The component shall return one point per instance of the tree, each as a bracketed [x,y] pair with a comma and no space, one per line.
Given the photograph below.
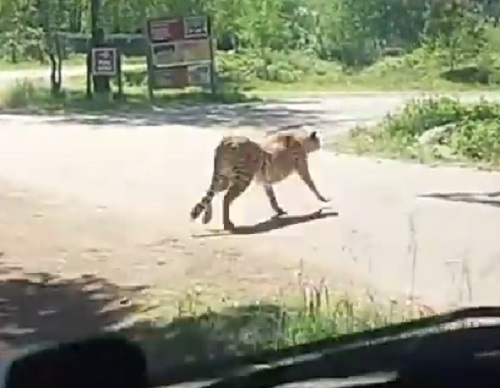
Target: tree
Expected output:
[455,30]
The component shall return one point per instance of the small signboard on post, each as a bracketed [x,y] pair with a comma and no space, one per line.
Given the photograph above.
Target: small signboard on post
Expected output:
[104,61]
[180,53]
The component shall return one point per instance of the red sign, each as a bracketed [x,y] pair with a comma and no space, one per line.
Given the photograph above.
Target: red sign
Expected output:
[165,30]
[181,76]
[172,77]
[180,52]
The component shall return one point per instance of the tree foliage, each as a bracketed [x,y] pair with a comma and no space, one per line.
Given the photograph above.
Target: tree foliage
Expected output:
[352,31]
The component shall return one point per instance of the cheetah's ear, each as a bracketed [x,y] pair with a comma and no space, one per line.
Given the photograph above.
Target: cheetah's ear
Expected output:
[314,135]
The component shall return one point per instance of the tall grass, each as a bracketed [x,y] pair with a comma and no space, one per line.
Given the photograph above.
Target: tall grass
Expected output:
[314,312]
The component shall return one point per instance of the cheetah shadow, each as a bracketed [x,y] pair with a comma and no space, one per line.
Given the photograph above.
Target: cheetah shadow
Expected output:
[271,224]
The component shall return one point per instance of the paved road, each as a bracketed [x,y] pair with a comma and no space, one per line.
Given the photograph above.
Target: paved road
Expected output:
[158,166]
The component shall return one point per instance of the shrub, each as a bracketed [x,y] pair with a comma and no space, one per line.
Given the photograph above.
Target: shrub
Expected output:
[276,66]
[475,135]
[478,140]
[419,116]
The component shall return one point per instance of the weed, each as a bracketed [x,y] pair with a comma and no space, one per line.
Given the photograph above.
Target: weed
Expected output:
[198,332]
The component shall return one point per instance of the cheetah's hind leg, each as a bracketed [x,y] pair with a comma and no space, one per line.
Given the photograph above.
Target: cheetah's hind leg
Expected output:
[218,184]
[207,215]
[222,185]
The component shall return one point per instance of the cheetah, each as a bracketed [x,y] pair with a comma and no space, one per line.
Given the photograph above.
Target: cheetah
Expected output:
[238,161]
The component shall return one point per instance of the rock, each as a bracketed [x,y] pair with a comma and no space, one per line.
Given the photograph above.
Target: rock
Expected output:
[436,134]
[443,152]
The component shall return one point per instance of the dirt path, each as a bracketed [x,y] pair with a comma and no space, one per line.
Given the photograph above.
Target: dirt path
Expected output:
[110,233]
[110,199]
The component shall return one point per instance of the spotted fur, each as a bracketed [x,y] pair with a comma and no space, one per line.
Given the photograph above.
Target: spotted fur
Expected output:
[238,160]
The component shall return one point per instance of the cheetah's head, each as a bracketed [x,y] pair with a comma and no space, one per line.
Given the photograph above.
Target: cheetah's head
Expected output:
[311,142]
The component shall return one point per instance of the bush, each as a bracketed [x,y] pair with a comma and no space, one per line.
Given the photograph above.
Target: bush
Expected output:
[248,67]
[275,66]
[474,135]
[478,140]
[420,116]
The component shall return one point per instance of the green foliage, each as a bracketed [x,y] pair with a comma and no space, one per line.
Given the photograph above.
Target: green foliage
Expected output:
[420,116]
[455,31]
[238,328]
[477,137]
[474,133]
[274,66]
[354,32]
[433,44]
[299,70]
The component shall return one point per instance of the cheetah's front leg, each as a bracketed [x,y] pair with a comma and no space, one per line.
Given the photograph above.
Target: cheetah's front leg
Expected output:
[304,174]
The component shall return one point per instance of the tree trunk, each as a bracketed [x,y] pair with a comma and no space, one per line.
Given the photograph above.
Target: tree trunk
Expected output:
[56,60]
[13,53]
[101,83]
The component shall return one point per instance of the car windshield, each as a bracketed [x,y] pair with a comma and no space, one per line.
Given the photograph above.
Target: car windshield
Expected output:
[224,178]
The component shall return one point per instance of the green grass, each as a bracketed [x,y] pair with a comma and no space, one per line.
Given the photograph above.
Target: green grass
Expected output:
[405,80]
[300,72]
[196,327]
[27,96]
[255,72]
[198,332]
[247,78]
[473,138]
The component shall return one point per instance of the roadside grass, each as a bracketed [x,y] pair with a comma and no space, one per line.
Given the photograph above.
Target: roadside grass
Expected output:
[259,74]
[432,131]
[199,331]
[404,79]
[297,71]
[232,88]
[29,96]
